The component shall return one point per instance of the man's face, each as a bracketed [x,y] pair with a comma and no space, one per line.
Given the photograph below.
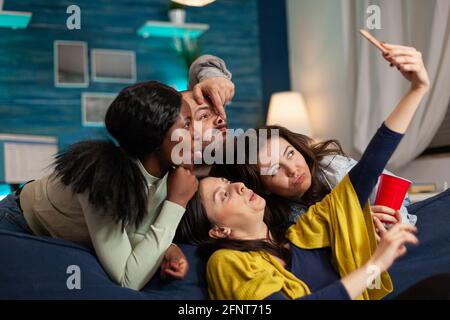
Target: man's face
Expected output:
[207,124]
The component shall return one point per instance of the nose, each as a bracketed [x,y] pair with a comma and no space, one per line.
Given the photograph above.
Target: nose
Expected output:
[240,188]
[219,121]
[290,170]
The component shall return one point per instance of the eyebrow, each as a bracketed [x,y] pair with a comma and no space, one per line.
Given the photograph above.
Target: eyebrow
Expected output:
[201,108]
[285,150]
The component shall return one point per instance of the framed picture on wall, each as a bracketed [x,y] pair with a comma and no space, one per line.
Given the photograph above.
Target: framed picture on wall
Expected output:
[26,157]
[113,65]
[70,64]
[94,106]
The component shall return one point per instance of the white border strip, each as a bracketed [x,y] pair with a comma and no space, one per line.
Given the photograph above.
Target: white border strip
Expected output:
[27,138]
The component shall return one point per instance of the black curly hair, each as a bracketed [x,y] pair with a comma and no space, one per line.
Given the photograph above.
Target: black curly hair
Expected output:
[138,119]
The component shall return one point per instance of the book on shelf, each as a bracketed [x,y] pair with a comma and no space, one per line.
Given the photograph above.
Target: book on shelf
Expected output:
[422,187]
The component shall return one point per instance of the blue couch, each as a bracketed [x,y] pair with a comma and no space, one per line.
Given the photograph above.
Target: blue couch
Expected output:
[33,267]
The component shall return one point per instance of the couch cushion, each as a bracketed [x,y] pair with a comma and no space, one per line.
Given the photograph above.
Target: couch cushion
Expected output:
[35,267]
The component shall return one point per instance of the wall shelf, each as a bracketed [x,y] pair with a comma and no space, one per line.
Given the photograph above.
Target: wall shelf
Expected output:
[171,30]
[14,19]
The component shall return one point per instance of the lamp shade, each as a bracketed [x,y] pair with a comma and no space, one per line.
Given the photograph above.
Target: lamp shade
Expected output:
[288,109]
[194,3]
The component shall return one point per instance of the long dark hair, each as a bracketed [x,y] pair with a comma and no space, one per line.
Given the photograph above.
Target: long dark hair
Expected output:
[138,119]
[249,173]
[194,229]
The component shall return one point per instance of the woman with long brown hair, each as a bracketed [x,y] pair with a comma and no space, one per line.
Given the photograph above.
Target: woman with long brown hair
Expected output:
[283,203]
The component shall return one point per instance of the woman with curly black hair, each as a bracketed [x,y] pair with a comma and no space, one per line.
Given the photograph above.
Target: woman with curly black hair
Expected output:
[125,200]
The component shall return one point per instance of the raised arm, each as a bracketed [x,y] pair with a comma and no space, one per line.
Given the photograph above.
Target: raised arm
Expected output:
[409,62]
[348,225]
[364,175]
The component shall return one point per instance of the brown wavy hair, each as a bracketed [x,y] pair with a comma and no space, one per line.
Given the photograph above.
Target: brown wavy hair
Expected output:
[249,173]
[194,229]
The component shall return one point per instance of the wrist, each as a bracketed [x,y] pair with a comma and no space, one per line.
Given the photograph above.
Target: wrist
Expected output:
[419,89]
[373,265]
[211,74]
[177,201]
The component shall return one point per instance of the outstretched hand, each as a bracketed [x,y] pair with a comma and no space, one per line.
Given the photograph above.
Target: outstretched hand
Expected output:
[392,245]
[410,63]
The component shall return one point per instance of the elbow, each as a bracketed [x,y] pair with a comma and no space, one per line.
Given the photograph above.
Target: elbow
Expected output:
[133,285]
[123,280]
[134,281]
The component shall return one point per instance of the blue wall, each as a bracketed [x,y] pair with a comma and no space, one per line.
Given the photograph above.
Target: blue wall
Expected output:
[274,55]
[30,104]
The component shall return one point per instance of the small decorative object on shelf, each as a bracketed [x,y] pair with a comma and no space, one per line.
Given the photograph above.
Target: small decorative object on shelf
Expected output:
[188,49]
[185,36]
[177,13]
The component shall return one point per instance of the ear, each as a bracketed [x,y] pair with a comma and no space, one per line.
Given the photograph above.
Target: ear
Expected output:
[219,232]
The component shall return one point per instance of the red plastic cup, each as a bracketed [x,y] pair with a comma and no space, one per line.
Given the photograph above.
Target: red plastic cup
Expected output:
[391,191]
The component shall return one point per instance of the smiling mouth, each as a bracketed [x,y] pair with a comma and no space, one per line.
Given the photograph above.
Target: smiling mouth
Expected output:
[253,196]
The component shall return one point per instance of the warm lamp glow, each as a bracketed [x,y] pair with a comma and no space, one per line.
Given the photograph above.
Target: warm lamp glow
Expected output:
[288,109]
[194,3]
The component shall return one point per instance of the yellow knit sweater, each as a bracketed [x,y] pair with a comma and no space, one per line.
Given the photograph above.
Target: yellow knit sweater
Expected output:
[337,222]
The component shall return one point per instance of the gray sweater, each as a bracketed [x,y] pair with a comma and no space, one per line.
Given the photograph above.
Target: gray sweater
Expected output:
[205,67]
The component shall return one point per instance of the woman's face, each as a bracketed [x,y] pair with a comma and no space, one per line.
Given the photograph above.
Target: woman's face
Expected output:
[184,141]
[232,206]
[288,174]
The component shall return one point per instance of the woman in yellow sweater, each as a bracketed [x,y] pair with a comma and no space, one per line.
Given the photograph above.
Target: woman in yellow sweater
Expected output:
[330,253]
